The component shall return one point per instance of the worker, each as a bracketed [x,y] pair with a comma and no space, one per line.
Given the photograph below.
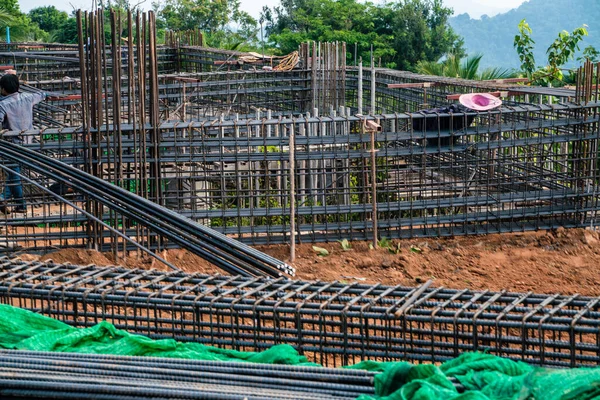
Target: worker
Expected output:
[16,114]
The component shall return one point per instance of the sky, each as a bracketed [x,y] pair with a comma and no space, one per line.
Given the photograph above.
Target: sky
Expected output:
[475,8]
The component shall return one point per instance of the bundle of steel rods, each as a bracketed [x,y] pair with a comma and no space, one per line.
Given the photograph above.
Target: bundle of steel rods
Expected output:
[39,375]
[224,252]
[331,323]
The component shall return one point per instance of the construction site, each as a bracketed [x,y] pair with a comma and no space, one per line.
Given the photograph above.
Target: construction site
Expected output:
[244,201]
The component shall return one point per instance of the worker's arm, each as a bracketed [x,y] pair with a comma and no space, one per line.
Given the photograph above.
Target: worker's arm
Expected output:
[38,97]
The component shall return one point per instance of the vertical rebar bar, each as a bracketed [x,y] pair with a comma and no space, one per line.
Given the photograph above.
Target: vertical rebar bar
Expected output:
[292,195]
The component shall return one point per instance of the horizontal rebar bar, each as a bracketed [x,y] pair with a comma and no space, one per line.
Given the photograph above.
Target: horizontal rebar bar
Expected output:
[91,373]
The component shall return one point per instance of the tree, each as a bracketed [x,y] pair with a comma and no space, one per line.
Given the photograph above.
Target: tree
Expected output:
[48,18]
[5,18]
[21,27]
[467,68]
[561,50]
[207,15]
[524,45]
[222,21]
[420,31]
[589,53]
[401,33]
[494,36]
[67,33]
[297,21]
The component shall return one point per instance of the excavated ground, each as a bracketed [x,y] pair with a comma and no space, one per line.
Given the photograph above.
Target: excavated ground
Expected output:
[558,261]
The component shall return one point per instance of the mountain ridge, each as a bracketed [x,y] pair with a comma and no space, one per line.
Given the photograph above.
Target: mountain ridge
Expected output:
[494,36]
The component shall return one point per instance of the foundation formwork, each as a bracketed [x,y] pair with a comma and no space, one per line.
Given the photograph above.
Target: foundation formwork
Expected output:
[248,151]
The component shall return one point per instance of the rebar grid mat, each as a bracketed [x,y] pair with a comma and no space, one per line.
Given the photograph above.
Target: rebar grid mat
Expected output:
[331,323]
[28,374]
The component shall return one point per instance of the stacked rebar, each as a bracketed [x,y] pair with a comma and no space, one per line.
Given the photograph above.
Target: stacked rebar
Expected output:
[228,254]
[331,323]
[40,375]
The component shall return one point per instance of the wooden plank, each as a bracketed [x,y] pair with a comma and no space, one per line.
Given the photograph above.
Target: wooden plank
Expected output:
[231,62]
[508,80]
[411,85]
[184,79]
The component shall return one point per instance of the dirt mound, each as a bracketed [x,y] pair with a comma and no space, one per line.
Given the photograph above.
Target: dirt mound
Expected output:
[558,261]
[180,258]
[78,257]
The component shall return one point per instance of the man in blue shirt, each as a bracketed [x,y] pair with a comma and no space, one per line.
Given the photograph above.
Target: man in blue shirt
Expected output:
[16,114]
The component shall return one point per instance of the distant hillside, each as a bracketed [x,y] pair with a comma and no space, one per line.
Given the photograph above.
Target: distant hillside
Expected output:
[494,36]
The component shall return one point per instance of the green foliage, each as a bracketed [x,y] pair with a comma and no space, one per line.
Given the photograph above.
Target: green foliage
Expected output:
[524,45]
[415,249]
[48,18]
[57,24]
[346,245]
[561,50]
[564,46]
[222,21]
[467,68]
[67,33]
[5,18]
[385,243]
[401,33]
[496,73]
[589,53]
[320,251]
[267,149]
[21,27]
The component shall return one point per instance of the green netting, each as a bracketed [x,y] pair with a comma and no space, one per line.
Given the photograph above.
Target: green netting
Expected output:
[485,377]
[24,330]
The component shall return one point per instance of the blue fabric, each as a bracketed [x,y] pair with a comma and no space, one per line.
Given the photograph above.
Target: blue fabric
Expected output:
[13,188]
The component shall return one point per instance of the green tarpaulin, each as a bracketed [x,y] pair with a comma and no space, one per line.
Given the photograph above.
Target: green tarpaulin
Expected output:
[485,377]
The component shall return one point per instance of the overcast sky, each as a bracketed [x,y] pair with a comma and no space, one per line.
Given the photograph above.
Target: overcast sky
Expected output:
[475,8]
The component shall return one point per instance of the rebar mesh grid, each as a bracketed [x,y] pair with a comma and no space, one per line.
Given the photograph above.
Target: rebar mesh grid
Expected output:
[331,323]
[522,168]
[267,156]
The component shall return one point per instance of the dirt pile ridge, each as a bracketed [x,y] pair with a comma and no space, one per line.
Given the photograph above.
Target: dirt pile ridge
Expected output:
[558,261]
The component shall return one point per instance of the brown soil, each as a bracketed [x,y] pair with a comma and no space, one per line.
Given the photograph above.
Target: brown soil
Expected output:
[182,259]
[560,261]
[77,257]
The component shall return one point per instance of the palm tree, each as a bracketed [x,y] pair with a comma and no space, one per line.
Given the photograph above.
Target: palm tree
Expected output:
[9,20]
[5,17]
[467,68]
